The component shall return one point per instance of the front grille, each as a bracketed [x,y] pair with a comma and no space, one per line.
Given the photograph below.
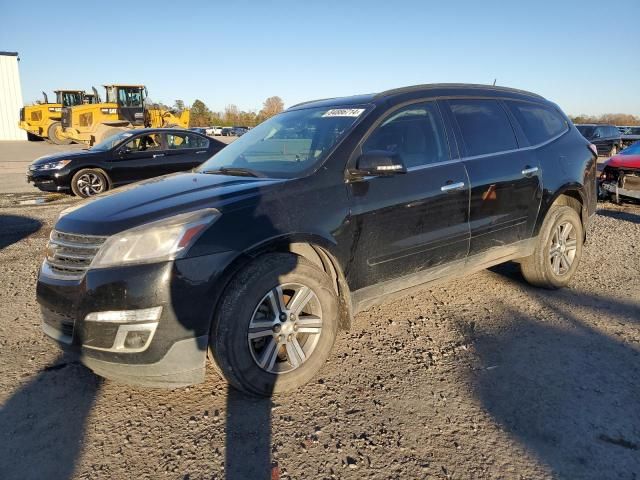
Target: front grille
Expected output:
[66,117]
[69,255]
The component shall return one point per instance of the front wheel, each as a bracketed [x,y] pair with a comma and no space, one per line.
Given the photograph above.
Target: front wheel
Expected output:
[54,133]
[557,254]
[88,182]
[275,325]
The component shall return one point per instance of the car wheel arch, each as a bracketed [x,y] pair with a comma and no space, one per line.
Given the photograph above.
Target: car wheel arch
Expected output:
[316,251]
[571,195]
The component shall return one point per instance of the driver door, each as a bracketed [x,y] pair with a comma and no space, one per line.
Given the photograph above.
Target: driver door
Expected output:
[143,156]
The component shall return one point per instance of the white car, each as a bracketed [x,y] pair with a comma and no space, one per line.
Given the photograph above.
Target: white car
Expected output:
[214,131]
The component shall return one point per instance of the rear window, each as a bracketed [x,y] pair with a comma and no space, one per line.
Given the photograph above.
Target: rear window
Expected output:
[539,123]
[484,125]
[184,140]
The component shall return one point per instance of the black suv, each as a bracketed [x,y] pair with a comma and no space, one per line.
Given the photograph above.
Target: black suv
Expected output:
[261,255]
[606,138]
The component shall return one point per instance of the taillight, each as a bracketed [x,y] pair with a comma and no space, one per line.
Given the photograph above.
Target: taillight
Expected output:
[594,149]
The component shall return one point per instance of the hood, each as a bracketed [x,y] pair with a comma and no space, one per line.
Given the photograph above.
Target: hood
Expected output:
[159,198]
[72,154]
[623,161]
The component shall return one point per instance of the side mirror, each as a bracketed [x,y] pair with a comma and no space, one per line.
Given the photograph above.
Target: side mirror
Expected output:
[379,163]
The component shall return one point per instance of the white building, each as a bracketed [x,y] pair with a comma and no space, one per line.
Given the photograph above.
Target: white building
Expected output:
[10,97]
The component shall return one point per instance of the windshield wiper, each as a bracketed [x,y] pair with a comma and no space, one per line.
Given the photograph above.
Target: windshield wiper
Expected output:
[235,171]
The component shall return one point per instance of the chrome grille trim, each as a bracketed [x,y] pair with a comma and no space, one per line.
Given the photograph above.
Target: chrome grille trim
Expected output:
[69,255]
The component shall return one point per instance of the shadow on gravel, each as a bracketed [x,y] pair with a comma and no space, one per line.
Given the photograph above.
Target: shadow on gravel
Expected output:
[15,227]
[568,392]
[620,215]
[42,424]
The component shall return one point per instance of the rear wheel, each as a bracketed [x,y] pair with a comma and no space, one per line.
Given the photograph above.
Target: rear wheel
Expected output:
[88,182]
[275,326]
[558,251]
[54,133]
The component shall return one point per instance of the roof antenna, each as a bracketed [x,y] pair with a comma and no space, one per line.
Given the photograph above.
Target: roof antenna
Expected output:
[494,82]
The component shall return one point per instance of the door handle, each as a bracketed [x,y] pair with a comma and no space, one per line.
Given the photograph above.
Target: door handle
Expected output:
[201,151]
[156,155]
[452,186]
[528,171]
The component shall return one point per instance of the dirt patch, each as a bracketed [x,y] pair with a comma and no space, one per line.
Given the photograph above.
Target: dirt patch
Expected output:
[484,377]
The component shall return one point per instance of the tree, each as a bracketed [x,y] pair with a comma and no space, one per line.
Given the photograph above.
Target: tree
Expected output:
[272,106]
[611,118]
[200,115]
[178,105]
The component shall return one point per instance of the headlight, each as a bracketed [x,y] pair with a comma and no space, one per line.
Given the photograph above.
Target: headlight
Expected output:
[165,239]
[53,165]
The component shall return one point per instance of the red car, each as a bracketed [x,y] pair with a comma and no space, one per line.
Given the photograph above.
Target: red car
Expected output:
[621,175]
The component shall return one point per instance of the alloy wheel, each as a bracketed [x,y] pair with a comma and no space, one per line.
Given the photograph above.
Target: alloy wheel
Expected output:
[562,250]
[285,328]
[90,184]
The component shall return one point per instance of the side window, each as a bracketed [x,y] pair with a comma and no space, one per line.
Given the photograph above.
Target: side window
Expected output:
[599,133]
[484,125]
[415,133]
[176,141]
[539,122]
[143,143]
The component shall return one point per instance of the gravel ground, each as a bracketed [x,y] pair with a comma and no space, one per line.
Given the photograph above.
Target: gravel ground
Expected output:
[484,377]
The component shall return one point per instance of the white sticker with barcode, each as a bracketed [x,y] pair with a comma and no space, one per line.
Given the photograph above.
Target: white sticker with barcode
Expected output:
[344,112]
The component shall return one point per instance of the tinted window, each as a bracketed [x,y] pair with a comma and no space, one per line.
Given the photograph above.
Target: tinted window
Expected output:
[484,125]
[144,142]
[415,133]
[184,140]
[540,123]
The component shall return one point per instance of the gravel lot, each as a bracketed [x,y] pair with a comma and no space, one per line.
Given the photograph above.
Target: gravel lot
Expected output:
[483,377]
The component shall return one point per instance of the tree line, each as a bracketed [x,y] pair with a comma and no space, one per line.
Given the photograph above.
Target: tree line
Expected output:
[611,118]
[203,116]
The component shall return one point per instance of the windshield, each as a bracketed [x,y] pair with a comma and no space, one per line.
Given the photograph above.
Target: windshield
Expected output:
[633,149]
[287,145]
[110,142]
[69,99]
[586,130]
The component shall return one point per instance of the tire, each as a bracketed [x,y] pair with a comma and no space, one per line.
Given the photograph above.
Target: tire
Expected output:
[540,269]
[32,137]
[249,302]
[53,133]
[110,132]
[88,182]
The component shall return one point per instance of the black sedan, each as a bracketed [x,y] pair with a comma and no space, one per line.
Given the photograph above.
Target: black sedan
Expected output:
[129,156]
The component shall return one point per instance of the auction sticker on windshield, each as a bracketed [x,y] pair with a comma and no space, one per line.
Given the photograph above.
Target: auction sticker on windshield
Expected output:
[344,112]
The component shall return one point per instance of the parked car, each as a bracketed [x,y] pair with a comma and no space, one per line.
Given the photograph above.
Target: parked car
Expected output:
[238,131]
[214,131]
[606,138]
[200,130]
[620,176]
[269,248]
[129,156]
[629,135]
[227,132]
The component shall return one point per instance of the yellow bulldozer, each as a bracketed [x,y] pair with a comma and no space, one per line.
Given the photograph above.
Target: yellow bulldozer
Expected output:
[124,108]
[42,119]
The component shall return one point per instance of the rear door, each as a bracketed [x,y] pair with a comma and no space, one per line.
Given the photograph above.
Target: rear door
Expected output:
[410,222]
[185,151]
[506,186]
[143,156]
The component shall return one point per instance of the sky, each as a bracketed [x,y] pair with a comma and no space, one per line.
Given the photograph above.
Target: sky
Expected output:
[582,55]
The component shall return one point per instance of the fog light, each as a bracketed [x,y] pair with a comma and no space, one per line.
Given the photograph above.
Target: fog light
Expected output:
[136,339]
[125,316]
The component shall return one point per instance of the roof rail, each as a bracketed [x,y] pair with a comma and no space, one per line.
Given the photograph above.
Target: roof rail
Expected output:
[430,86]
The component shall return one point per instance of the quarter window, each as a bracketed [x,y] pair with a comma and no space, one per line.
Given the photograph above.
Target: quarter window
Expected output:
[415,133]
[484,125]
[184,140]
[539,122]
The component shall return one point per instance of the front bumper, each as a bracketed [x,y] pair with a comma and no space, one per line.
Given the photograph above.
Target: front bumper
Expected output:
[49,181]
[176,353]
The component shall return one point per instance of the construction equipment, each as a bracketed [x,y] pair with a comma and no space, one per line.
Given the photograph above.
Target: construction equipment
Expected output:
[124,108]
[42,119]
